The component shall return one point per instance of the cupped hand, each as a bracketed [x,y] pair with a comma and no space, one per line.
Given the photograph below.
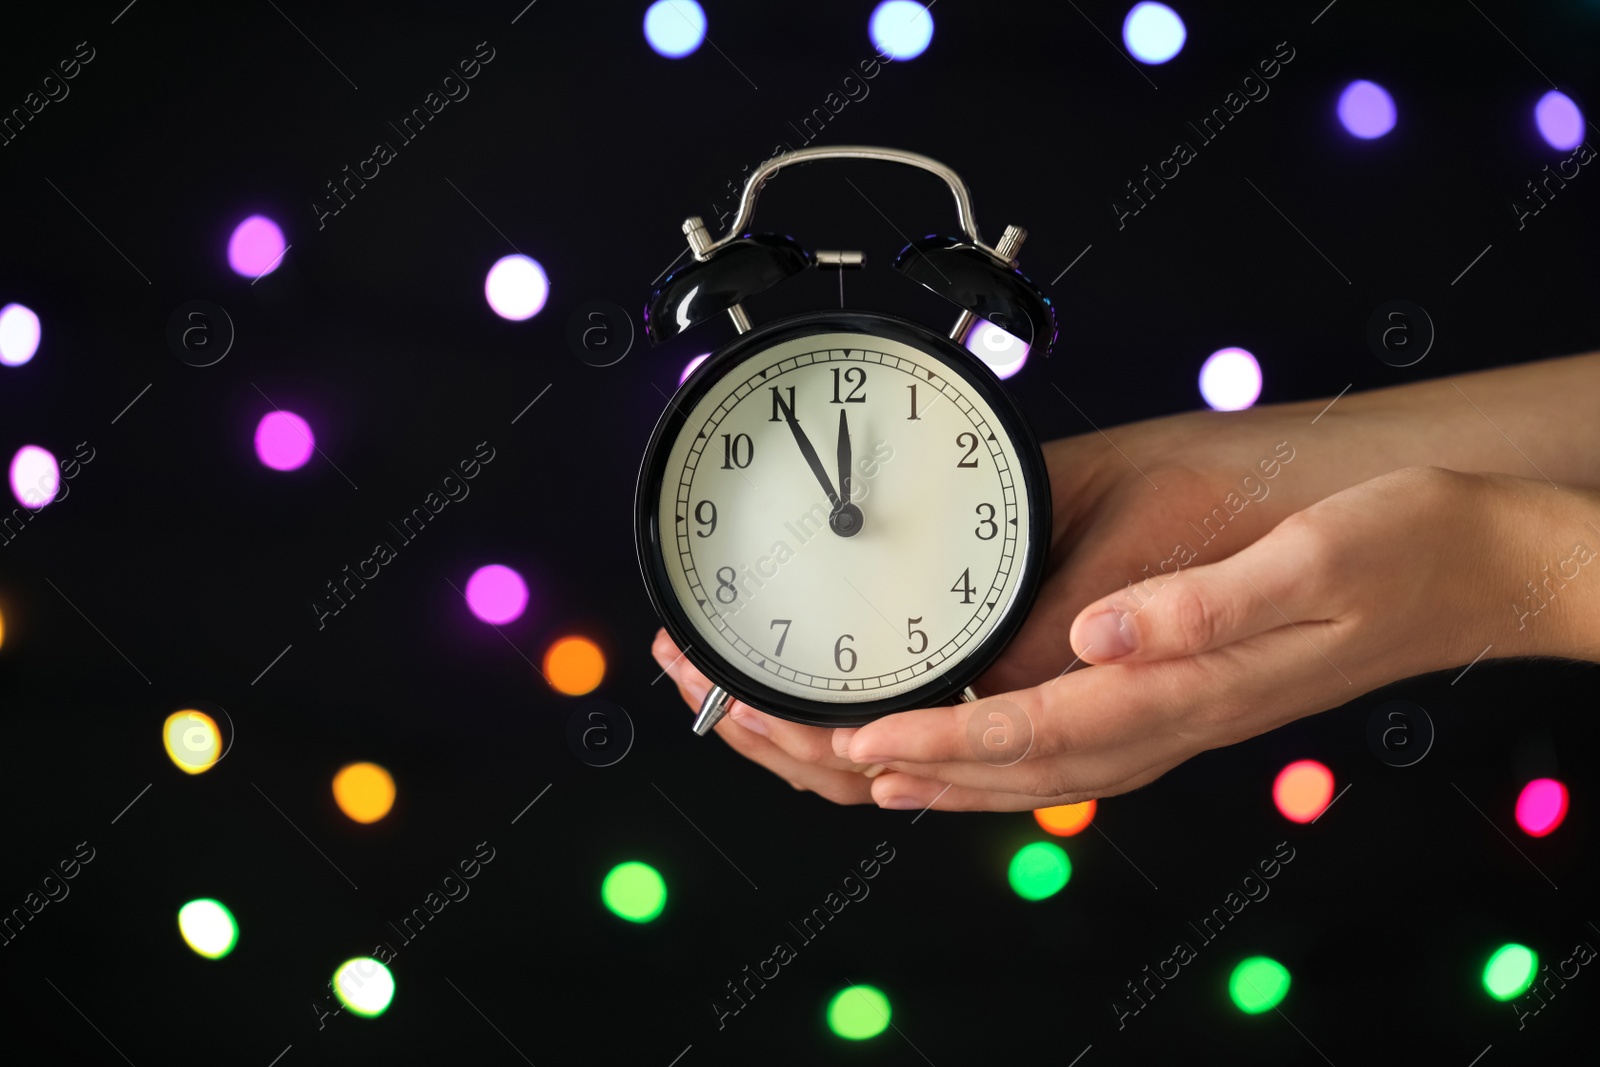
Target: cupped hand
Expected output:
[1408,573]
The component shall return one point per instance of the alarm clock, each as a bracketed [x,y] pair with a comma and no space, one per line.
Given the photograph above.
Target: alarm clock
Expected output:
[843,514]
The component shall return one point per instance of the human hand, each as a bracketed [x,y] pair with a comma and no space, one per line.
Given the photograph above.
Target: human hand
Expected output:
[1407,573]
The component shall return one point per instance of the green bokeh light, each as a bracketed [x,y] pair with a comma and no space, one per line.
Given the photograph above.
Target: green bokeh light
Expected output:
[1510,971]
[1039,870]
[635,891]
[208,927]
[858,1012]
[1258,984]
[364,986]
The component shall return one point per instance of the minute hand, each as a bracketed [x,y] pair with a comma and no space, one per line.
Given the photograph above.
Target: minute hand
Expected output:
[810,454]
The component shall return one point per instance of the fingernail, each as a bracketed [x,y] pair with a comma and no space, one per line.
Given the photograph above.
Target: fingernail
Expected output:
[841,742]
[750,721]
[874,770]
[1108,635]
[900,803]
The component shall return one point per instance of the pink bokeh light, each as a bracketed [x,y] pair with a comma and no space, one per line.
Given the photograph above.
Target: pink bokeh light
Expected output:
[497,594]
[256,247]
[284,441]
[1541,807]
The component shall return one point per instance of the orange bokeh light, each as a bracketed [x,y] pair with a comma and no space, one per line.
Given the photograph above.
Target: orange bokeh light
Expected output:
[364,791]
[1302,790]
[574,666]
[1064,820]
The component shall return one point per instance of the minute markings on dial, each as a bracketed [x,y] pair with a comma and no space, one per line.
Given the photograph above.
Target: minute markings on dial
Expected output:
[719,618]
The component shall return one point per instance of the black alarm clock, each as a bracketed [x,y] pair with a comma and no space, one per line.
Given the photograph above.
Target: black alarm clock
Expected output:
[843,514]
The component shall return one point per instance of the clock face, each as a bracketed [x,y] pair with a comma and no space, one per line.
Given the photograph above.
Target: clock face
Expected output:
[842,518]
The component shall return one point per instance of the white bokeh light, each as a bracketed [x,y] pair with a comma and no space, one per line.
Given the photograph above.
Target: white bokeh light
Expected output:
[1153,33]
[364,985]
[516,287]
[35,477]
[1230,379]
[1005,353]
[674,28]
[19,335]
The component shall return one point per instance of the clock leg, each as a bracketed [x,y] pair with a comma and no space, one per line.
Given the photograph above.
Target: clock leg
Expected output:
[970,695]
[712,709]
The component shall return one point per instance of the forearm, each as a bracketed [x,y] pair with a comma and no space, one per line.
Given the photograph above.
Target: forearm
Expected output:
[1536,420]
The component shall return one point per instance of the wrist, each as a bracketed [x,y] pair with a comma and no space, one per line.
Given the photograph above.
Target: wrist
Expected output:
[1550,606]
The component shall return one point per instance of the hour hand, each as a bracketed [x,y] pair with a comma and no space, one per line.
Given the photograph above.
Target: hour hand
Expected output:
[812,459]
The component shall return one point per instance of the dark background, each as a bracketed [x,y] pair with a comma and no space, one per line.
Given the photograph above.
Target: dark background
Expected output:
[189,566]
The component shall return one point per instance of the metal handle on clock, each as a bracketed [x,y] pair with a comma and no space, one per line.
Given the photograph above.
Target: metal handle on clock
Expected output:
[752,187]
[712,709]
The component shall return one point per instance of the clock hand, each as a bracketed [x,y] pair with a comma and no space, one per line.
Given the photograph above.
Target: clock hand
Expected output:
[807,451]
[846,519]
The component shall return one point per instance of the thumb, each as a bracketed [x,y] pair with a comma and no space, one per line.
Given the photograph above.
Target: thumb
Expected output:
[1261,588]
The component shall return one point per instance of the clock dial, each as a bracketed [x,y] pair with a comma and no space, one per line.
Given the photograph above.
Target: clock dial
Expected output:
[843,519]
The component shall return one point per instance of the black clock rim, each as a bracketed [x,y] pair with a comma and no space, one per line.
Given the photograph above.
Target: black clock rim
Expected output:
[946,686]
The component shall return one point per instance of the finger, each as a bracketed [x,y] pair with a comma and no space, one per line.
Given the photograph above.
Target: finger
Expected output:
[1269,584]
[841,787]
[909,792]
[1059,775]
[1082,712]
[809,744]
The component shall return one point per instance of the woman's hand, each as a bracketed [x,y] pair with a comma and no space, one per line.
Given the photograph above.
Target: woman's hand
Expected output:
[1411,572]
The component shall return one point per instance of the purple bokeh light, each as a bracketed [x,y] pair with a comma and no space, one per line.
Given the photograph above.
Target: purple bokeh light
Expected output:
[256,247]
[284,441]
[1559,120]
[35,477]
[497,594]
[1005,353]
[1230,379]
[1366,109]
[692,364]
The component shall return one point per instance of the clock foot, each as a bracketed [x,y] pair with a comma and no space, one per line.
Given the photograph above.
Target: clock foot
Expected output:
[712,709]
[970,695]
